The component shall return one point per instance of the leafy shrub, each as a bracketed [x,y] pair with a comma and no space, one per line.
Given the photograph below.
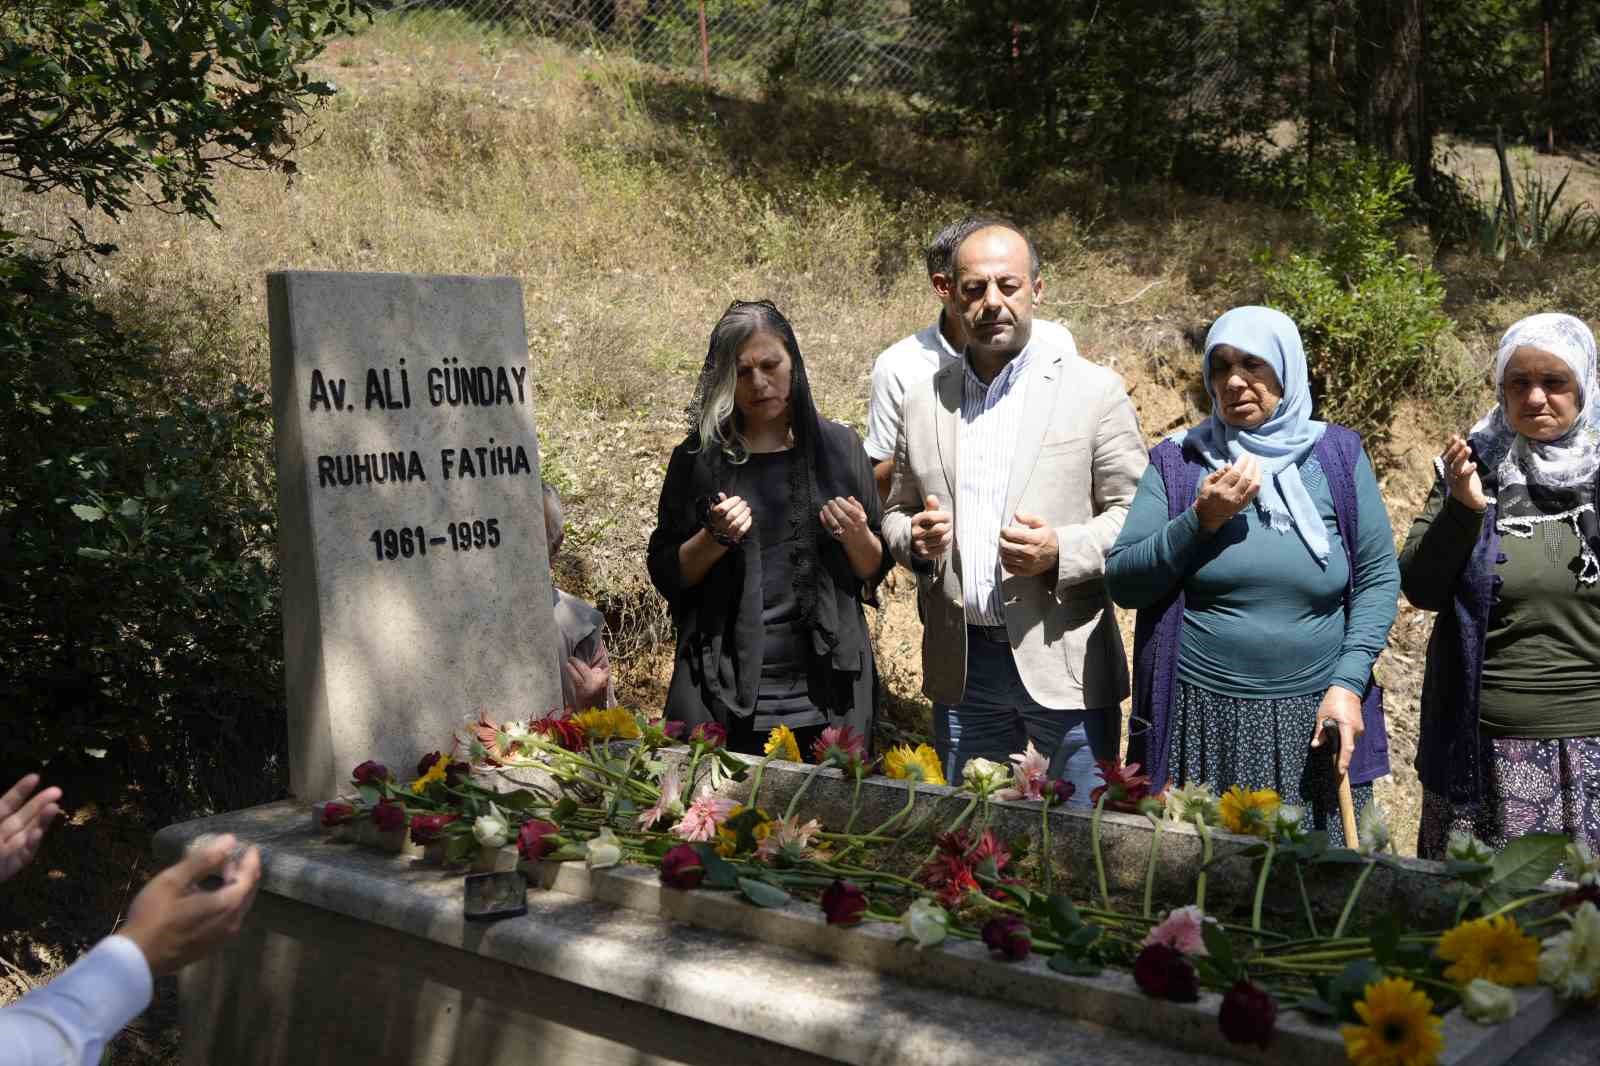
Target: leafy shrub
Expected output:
[141,602]
[1370,316]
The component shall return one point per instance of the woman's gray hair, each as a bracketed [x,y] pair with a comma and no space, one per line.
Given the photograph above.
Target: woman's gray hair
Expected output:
[715,420]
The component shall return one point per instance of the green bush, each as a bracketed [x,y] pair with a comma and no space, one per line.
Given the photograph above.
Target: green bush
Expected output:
[1370,315]
[140,632]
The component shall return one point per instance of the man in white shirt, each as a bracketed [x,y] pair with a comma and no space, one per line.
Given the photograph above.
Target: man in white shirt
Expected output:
[912,361]
[174,920]
[1013,471]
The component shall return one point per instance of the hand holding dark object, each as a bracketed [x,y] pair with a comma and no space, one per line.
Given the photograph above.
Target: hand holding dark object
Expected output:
[1029,546]
[1461,474]
[23,822]
[1226,492]
[175,920]
[1340,710]
[728,519]
[931,530]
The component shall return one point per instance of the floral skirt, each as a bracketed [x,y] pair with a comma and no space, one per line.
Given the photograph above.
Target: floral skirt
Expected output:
[1228,740]
[1534,786]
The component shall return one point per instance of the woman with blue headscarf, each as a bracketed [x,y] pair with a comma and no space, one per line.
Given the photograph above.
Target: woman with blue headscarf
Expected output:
[1505,551]
[1259,555]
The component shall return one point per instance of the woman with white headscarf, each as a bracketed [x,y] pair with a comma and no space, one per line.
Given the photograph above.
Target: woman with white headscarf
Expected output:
[1505,551]
[1260,558]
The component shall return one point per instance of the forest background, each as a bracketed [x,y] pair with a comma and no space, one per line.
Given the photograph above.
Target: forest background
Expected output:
[1404,178]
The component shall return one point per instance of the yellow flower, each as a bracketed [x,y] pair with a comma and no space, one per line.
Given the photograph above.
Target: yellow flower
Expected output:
[1495,949]
[1249,812]
[920,764]
[436,772]
[756,823]
[781,744]
[608,723]
[1399,1027]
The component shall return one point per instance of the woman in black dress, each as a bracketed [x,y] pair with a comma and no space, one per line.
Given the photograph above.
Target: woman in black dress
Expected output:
[766,546]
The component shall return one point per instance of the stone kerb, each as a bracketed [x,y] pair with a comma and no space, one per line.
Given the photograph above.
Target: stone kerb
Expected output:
[416,583]
[1415,889]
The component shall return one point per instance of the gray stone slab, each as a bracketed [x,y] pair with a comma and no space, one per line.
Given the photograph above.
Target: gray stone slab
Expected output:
[416,584]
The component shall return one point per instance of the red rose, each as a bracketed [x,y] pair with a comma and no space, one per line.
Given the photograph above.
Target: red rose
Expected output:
[533,839]
[681,868]
[710,734]
[369,772]
[1585,894]
[1161,972]
[843,903]
[389,815]
[1248,1014]
[1009,935]
[674,730]
[336,814]
[428,828]
[427,762]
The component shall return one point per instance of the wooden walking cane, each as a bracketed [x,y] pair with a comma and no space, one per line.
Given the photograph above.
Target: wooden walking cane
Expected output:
[1347,802]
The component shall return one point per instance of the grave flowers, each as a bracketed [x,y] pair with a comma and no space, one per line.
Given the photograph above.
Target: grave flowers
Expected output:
[616,798]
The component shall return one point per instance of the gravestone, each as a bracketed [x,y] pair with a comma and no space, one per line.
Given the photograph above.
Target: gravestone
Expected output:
[416,581]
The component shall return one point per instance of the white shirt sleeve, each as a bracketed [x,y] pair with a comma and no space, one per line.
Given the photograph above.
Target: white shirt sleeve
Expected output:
[69,1021]
[883,409]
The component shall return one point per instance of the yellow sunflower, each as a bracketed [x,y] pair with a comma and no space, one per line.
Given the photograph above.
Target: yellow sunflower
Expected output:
[920,764]
[1398,1027]
[781,744]
[436,772]
[1495,949]
[755,822]
[608,723]
[1243,811]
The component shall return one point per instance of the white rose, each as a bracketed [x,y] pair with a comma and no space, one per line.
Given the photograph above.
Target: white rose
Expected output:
[1464,847]
[516,730]
[1487,1002]
[492,829]
[1582,864]
[983,775]
[1374,832]
[925,922]
[603,850]
[1570,961]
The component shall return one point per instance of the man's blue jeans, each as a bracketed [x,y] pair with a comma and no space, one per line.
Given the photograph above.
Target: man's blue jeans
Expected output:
[996,717]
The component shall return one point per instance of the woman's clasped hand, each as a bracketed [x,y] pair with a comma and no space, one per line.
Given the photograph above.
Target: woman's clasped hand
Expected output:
[1226,492]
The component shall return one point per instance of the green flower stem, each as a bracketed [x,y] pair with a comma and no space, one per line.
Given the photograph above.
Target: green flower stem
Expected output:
[1094,842]
[855,800]
[694,768]
[1205,860]
[961,819]
[1150,868]
[1046,866]
[794,801]
[1305,899]
[755,784]
[1350,903]
[1261,884]
[1518,904]
[889,823]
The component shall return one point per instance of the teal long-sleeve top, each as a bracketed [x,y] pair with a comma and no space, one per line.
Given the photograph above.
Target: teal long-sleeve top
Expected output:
[1262,619]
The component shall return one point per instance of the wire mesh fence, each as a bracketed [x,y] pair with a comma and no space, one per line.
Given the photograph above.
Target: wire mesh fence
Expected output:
[869,44]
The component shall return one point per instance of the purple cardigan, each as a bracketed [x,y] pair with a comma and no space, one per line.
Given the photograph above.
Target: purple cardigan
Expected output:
[1158,628]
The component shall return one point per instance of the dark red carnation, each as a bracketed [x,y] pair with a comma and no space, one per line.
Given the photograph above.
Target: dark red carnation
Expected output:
[710,734]
[843,903]
[426,762]
[1124,786]
[1060,790]
[563,730]
[389,815]
[1162,972]
[1009,935]
[456,772]
[336,814]
[535,839]
[1585,894]
[369,772]
[681,868]
[1248,1014]
[428,828]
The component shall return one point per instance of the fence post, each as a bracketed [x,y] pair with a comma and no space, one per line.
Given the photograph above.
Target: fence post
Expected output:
[705,46]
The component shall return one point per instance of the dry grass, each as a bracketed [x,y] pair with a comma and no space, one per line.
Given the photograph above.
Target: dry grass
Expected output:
[633,207]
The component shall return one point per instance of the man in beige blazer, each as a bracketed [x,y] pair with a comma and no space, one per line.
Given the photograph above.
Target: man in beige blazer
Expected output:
[1014,469]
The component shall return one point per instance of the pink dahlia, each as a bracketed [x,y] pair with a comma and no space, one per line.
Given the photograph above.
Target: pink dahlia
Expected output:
[1183,930]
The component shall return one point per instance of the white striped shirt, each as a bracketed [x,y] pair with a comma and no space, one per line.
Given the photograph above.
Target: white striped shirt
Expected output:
[985,446]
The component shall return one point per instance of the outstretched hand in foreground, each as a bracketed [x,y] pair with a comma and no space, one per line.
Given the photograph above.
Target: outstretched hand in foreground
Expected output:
[174,920]
[23,822]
